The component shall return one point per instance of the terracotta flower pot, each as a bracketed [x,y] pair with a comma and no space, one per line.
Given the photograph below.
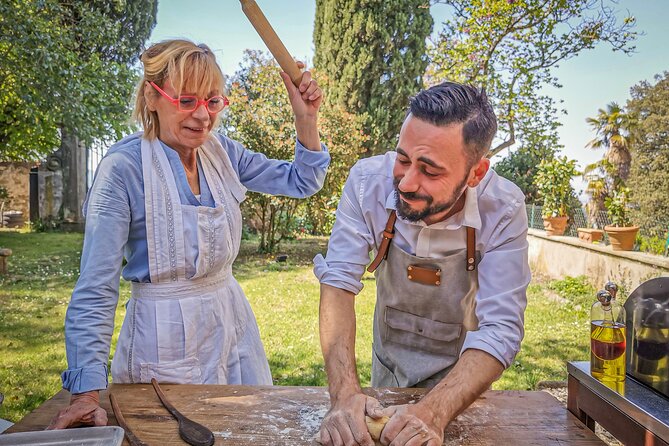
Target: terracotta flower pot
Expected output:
[622,238]
[555,225]
[590,235]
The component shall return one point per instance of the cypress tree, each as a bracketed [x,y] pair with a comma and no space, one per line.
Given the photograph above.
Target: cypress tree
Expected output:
[374,54]
[649,178]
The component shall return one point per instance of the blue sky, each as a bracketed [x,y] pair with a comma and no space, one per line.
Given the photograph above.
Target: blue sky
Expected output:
[590,81]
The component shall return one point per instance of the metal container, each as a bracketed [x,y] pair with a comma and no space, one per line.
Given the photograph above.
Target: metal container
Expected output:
[85,436]
[648,334]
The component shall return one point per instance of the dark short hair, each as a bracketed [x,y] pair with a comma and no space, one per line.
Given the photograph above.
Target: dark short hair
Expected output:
[453,103]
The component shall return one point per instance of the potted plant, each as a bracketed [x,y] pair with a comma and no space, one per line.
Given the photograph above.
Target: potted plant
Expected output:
[621,232]
[553,181]
[590,235]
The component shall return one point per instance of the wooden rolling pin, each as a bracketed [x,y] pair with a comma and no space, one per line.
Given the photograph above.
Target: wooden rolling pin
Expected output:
[268,35]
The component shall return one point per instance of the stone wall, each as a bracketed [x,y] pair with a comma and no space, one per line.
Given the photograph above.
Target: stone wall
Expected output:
[557,257]
[16,178]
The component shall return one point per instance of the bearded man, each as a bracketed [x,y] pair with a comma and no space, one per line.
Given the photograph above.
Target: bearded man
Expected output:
[451,266]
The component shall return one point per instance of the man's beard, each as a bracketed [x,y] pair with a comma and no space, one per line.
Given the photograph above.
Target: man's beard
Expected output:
[431,208]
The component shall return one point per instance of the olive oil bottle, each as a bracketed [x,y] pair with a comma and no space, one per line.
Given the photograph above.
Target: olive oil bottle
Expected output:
[607,338]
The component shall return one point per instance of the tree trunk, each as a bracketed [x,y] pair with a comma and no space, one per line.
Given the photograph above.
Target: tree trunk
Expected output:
[73,158]
[263,227]
[621,158]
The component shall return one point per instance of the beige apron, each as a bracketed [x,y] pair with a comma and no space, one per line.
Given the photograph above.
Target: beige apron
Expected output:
[419,328]
[190,326]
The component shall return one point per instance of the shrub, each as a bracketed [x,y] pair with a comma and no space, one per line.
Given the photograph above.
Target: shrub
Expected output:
[553,181]
[616,207]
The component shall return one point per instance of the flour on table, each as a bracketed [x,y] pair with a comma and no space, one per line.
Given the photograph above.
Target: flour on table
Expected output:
[224,434]
[310,420]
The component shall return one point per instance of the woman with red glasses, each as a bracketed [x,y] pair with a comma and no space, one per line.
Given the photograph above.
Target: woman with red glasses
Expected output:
[167,200]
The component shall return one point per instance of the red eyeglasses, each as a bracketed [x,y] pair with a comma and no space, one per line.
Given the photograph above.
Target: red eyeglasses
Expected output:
[214,104]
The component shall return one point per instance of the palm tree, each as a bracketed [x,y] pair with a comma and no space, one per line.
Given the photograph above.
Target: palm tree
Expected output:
[598,188]
[612,128]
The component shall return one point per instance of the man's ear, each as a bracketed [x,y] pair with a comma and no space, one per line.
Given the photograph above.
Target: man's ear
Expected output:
[150,97]
[478,171]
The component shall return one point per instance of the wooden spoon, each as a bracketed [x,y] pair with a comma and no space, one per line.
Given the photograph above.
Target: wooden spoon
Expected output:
[191,432]
[132,438]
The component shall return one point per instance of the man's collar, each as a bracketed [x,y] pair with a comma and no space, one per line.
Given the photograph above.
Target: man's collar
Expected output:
[468,216]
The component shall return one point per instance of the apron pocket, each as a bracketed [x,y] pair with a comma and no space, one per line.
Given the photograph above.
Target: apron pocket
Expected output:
[184,371]
[381,375]
[421,333]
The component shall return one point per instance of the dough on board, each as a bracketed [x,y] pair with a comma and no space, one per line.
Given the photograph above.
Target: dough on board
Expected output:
[375,427]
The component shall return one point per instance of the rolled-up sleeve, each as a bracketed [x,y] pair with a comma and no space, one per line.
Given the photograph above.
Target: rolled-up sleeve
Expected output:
[300,178]
[350,242]
[89,321]
[504,275]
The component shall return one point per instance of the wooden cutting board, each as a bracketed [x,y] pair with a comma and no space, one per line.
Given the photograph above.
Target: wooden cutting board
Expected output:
[291,416]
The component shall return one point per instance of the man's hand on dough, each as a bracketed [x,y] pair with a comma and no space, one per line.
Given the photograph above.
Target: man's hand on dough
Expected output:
[411,425]
[344,424]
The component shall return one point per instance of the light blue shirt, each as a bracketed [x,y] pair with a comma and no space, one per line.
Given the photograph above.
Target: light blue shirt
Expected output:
[495,209]
[116,229]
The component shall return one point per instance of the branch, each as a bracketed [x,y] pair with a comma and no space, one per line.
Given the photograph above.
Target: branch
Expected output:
[511,140]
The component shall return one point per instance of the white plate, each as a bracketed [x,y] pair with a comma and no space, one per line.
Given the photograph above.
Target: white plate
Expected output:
[84,436]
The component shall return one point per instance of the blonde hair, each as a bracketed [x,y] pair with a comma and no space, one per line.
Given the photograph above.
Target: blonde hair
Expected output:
[189,67]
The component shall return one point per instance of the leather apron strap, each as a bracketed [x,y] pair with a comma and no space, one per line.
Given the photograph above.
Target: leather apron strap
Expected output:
[471,249]
[389,233]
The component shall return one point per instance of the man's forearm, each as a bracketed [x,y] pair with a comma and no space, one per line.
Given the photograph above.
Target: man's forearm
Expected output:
[337,331]
[473,374]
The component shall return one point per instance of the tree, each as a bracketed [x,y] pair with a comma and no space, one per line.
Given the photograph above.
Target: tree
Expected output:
[553,181]
[612,128]
[4,198]
[342,133]
[609,174]
[67,67]
[510,48]
[649,176]
[374,52]
[261,118]
[67,74]
[598,187]
[521,166]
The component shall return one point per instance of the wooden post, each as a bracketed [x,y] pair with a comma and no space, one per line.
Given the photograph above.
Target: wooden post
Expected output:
[4,253]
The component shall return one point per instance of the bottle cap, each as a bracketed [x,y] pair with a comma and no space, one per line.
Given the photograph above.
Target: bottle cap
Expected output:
[604,297]
[612,288]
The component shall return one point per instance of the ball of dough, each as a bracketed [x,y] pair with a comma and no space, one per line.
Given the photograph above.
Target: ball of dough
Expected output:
[375,426]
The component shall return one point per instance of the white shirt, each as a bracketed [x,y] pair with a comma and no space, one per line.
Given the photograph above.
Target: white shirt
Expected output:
[495,209]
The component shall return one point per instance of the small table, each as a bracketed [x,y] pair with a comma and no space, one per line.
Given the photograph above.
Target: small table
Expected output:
[291,416]
[634,414]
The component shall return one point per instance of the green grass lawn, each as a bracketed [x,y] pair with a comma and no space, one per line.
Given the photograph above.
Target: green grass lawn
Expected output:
[284,296]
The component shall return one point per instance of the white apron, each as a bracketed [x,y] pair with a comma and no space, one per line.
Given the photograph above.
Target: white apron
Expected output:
[198,329]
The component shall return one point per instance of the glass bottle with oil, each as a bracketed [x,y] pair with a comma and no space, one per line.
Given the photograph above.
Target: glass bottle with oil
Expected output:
[650,354]
[607,339]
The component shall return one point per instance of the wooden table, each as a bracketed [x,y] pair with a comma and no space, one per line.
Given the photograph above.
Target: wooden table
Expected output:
[633,413]
[291,416]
